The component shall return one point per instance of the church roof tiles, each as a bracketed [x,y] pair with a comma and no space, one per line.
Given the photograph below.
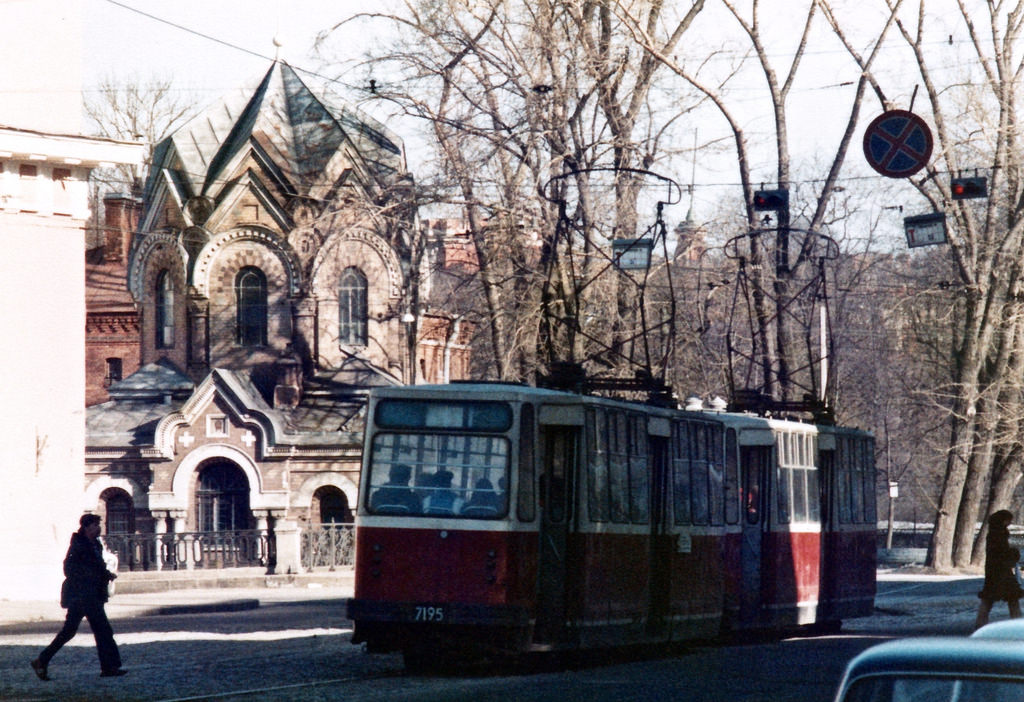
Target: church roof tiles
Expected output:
[301,135]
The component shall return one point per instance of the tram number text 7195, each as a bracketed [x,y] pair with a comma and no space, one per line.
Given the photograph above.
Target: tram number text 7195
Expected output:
[425,613]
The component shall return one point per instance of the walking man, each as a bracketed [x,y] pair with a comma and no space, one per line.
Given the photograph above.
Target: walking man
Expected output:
[1000,559]
[83,594]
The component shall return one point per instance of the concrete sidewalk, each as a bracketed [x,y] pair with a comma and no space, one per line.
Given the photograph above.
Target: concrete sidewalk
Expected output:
[183,601]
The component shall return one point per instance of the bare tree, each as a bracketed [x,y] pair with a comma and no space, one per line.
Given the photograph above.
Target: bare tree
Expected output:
[131,109]
[137,109]
[523,101]
[774,292]
[976,127]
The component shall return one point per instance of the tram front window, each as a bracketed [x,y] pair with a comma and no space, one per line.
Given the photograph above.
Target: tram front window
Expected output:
[439,475]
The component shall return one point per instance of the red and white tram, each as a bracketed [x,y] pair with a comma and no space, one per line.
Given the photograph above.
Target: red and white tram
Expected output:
[506,519]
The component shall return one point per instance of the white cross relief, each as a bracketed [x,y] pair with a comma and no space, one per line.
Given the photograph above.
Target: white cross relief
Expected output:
[186,439]
[248,439]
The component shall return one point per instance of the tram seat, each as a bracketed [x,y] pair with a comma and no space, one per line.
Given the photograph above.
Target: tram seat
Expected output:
[391,509]
[479,511]
[435,511]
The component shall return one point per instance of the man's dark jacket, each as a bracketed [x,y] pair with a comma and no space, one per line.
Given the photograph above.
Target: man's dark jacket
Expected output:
[86,575]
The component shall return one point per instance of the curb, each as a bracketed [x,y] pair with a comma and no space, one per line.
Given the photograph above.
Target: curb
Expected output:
[205,608]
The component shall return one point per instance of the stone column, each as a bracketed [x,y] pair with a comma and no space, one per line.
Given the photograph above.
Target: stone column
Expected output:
[199,341]
[160,531]
[182,542]
[263,547]
[288,537]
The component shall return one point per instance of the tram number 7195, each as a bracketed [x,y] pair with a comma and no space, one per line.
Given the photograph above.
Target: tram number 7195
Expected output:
[428,613]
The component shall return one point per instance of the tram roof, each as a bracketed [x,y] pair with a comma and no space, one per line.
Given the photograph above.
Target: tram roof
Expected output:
[502,391]
[472,389]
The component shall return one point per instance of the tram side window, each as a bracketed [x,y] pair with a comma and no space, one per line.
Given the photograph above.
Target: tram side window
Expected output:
[813,484]
[732,478]
[843,478]
[700,478]
[856,483]
[801,501]
[526,505]
[597,463]
[799,498]
[638,481]
[785,491]
[681,473]
[716,471]
[698,473]
[755,459]
[558,459]
[866,456]
[618,464]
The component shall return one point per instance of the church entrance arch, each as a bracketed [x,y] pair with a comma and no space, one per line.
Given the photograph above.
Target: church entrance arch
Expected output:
[118,511]
[221,497]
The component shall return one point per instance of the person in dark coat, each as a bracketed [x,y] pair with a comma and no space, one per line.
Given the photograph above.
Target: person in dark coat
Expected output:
[1000,579]
[395,496]
[83,594]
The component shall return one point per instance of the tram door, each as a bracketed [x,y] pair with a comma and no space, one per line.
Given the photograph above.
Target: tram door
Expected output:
[558,456]
[661,542]
[829,580]
[755,462]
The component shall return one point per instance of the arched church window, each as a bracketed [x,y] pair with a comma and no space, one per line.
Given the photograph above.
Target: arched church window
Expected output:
[352,308]
[164,310]
[251,300]
[222,498]
[120,512]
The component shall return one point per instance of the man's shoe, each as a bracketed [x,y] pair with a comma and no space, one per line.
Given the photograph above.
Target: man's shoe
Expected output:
[40,670]
[113,673]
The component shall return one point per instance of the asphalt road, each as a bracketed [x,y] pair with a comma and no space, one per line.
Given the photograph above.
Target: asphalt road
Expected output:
[300,650]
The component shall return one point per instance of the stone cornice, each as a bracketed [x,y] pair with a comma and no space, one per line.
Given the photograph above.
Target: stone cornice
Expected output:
[89,152]
[112,322]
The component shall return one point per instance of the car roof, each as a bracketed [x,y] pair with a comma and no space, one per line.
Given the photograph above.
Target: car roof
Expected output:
[946,656]
[1006,629]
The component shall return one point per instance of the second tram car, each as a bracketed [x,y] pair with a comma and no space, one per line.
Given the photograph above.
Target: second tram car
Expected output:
[506,519]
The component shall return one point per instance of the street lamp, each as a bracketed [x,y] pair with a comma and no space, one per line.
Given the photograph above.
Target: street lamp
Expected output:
[409,321]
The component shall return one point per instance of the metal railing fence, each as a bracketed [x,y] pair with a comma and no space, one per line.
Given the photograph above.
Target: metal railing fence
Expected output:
[192,550]
[328,546]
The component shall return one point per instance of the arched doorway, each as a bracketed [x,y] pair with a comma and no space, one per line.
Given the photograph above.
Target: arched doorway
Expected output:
[222,497]
[119,512]
[330,506]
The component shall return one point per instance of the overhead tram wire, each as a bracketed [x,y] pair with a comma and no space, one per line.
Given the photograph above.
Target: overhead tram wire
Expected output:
[222,42]
[320,76]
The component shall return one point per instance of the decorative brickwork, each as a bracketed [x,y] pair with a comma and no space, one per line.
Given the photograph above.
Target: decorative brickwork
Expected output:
[112,329]
[256,378]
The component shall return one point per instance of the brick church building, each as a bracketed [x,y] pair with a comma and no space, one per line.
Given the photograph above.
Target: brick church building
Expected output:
[238,314]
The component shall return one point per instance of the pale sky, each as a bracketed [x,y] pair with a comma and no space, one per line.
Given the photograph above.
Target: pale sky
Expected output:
[207,45]
[212,46]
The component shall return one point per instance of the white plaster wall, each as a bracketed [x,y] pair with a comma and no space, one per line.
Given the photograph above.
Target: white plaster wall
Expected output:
[42,400]
[42,359]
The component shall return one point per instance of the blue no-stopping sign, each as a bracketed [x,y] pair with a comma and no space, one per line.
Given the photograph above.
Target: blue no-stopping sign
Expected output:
[897,144]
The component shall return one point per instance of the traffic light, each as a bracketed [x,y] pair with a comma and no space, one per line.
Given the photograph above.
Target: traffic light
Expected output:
[771,199]
[968,188]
